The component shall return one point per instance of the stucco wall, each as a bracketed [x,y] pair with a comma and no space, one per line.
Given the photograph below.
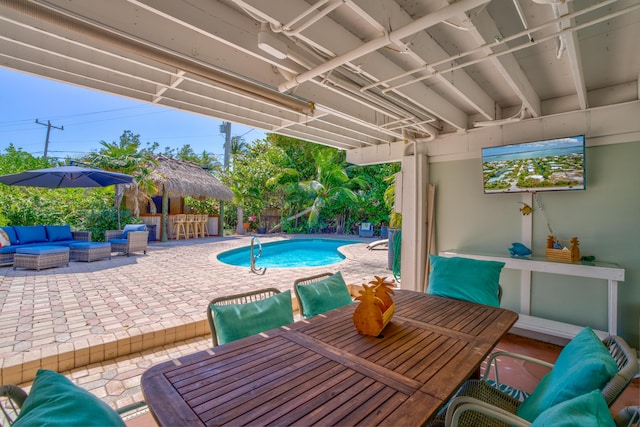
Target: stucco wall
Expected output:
[605,217]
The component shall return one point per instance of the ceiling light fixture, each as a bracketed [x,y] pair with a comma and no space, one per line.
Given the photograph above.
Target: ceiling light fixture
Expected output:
[269,43]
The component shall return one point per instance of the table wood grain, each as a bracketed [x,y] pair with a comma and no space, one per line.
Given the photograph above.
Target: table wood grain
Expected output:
[320,371]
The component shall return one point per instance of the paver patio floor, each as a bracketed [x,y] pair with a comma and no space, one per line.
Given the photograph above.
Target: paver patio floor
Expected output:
[98,322]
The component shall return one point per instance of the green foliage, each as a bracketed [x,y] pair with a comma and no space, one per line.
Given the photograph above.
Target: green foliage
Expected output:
[15,160]
[98,221]
[31,205]
[208,206]
[297,178]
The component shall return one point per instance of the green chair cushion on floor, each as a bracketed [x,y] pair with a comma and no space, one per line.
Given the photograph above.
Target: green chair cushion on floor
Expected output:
[582,366]
[235,321]
[465,279]
[324,295]
[55,401]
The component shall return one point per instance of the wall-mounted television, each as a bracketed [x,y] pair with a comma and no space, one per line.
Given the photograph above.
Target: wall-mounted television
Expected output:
[547,165]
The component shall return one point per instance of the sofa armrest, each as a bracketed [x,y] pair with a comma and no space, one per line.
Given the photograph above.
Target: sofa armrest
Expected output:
[112,234]
[81,235]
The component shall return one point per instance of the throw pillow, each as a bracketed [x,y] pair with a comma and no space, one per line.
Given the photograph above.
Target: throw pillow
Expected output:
[4,238]
[235,321]
[465,279]
[132,227]
[56,401]
[11,232]
[582,366]
[587,410]
[30,233]
[57,233]
[324,295]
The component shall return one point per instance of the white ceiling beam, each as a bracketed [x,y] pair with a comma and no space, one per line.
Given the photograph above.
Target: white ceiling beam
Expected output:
[426,50]
[572,48]
[484,30]
[335,38]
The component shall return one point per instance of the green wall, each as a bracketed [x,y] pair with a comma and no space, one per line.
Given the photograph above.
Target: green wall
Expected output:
[605,217]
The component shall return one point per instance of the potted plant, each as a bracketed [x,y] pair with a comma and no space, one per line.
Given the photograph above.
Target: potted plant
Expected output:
[261,228]
[395,219]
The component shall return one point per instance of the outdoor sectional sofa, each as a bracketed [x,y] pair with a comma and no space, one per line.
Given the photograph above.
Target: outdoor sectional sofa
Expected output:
[38,235]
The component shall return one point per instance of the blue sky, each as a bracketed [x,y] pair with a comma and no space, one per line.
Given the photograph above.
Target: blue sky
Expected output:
[89,117]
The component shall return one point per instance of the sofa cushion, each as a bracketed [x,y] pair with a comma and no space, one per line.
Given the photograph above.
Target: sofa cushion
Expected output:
[118,241]
[11,232]
[4,239]
[55,401]
[324,295]
[587,410]
[41,250]
[57,233]
[465,279]
[132,227]
[583,365]
[235,321]
[8,249]
[30,234]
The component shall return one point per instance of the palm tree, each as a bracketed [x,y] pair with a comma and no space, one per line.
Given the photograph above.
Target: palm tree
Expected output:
[331,185]
[125,157]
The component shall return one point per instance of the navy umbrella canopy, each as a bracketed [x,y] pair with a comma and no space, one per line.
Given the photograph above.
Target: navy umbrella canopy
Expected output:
[66,177]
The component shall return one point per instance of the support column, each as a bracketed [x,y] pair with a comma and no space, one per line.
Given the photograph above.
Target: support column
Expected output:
[415,177]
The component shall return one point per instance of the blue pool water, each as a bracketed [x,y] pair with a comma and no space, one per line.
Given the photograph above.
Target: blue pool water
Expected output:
[289,253]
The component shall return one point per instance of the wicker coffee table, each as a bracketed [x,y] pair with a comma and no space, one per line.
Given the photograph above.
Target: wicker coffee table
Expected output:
[39,257]
[89,251]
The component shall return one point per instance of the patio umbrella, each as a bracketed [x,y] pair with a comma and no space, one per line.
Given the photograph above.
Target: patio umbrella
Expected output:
[66,177]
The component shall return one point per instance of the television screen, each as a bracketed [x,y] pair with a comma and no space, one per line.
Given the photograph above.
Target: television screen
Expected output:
[548,165]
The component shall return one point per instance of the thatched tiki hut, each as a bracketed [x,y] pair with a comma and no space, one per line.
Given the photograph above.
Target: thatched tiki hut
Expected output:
[175,179]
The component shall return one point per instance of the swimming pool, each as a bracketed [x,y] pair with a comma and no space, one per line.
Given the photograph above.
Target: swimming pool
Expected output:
[289,253]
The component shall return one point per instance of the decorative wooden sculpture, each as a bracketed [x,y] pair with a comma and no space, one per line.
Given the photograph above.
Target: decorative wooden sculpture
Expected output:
[376,307]
[555,251]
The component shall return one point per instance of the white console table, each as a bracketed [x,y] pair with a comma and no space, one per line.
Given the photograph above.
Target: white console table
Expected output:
[612,273]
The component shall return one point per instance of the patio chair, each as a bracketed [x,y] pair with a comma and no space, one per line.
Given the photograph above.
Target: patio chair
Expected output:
[237,316]
[321,293]
[55,400]
[587,409]
[133,238]
[365,229]
[628,416]
[11,400]
[486,403]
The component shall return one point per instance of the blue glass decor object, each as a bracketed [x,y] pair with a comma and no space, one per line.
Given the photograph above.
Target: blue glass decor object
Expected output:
[518,249]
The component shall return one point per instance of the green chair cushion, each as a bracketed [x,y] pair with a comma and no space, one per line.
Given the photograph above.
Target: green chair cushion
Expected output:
[587,410]
[465,279]
[324,295]
[235,321]
[56,401]
[582,366]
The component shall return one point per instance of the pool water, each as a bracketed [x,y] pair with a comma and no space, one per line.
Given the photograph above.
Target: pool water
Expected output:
[289,253]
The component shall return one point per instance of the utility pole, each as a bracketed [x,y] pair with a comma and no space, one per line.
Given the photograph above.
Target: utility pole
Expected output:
[225,128]
[46,142]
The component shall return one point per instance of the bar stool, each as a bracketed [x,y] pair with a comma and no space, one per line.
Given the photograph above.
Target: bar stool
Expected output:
[191,226]
[204,218]
[179,226]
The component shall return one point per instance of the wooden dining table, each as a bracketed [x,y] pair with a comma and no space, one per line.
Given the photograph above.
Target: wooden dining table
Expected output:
[320,371]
